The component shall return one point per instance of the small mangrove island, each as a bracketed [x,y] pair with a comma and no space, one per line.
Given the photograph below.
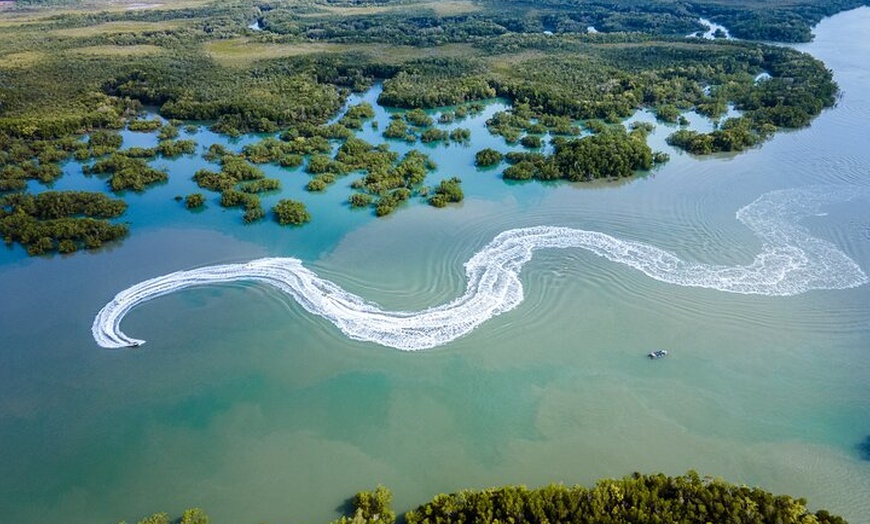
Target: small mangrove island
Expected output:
[657,498]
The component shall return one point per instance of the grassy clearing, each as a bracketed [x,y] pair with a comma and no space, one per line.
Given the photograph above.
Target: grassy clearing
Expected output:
[119,27]
[442,8]
[399,54]
[136,5]
[242,52]
[23,59]
[15,19]
[17,15]
[452,7]
[117,50]
[350,11]
[507,61]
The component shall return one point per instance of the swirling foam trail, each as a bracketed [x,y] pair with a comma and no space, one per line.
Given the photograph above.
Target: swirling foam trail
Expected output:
[791,262]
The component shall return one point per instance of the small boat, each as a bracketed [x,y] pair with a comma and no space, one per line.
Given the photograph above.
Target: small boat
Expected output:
[659,353]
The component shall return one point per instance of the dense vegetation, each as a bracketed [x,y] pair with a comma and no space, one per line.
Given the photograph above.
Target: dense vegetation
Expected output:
[446,192]
[190,516]
[127,172]
[487,157]
[748,19]
[639,498]
[758,20]
[60,221]
[388,180]
[688,499]
[194,201]
[613,153]
[70,79]
[291,212]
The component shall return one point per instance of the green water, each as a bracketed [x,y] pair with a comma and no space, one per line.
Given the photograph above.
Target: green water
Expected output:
[246,405]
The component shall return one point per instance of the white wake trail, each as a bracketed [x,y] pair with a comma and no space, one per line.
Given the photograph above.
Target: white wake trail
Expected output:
[791,262]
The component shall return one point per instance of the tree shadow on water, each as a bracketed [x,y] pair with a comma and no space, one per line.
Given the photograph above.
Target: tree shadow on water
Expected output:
[863,448]
[347,507]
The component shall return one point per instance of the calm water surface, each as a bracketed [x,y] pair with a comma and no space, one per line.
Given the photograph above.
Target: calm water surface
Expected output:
[244,404]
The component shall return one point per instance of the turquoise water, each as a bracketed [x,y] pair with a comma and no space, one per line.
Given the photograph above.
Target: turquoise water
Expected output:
[246,405]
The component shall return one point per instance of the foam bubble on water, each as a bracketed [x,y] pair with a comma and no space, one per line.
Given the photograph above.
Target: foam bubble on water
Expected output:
[791,261]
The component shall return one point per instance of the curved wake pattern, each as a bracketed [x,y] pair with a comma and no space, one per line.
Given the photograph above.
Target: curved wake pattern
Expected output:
[791,262]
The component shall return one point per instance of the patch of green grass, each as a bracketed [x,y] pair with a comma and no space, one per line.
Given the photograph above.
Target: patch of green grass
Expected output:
[242,52]
[452,7]
[118,27]
[117,50]
[441,8]
[23,59]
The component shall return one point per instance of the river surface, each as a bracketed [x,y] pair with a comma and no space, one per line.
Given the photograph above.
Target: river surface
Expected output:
[244,404]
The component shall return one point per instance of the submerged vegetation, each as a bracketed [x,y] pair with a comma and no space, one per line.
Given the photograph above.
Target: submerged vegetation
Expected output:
[688,499]
[71,78]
